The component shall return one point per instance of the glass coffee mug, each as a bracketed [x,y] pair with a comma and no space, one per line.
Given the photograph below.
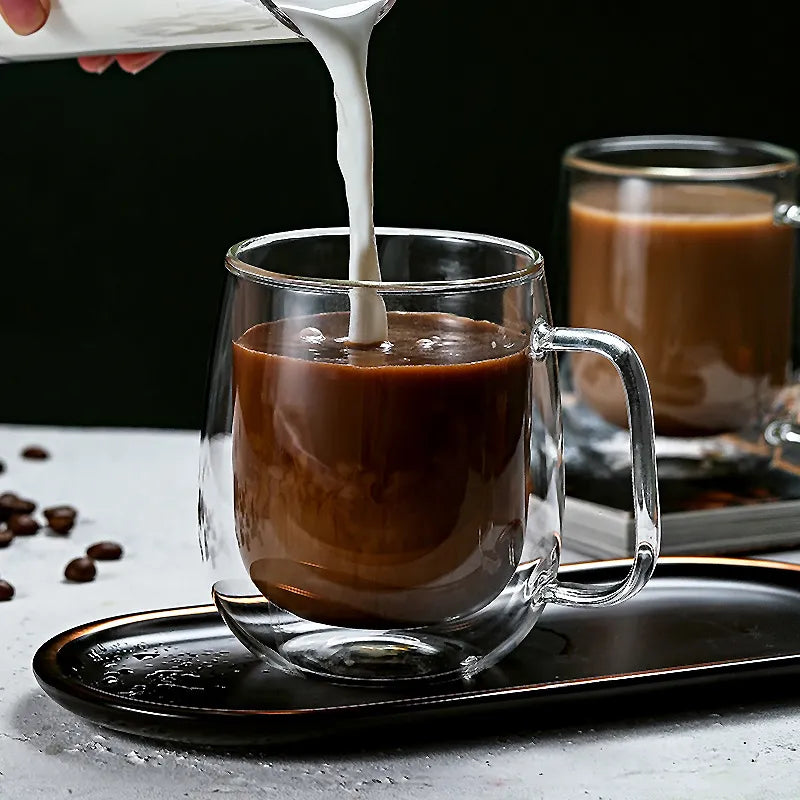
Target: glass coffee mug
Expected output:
[394,512]
[686,246]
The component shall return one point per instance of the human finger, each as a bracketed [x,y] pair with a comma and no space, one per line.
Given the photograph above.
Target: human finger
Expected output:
[133,63]
[25,16]
[97,65]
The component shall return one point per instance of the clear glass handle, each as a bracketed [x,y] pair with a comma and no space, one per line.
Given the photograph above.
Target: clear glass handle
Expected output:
[788,214]
[643,461]
[785,432]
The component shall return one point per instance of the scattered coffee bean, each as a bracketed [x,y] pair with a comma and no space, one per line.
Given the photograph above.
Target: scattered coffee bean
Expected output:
[23,525]
[66,511]
[6,591]
[11,504]
[80,570]
[6,537]
[2,466]
[105,551]
[61,519]
[35,453]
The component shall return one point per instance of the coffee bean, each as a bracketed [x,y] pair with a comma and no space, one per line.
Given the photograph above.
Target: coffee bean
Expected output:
[35,453]
[11,504]
[23,525]
[61,519]
[6,537]
[6,591]
[62,525]
[7,500]
[105,551]
[80,570]
[2,466]
[60,511]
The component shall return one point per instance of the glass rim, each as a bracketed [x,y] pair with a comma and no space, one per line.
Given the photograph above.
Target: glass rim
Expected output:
[779,160]
[240,268]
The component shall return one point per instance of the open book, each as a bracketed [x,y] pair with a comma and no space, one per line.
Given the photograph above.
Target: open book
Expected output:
[733,514]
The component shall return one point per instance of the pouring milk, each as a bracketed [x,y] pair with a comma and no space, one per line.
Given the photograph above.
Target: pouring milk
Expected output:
[340,30]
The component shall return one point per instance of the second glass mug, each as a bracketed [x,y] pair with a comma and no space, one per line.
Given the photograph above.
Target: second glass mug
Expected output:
[687,245]
[394,513]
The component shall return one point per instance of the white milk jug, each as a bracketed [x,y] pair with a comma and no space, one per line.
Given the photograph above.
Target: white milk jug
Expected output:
[95,27]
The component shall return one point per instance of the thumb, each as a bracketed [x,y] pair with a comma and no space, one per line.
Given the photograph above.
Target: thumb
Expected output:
[25,16]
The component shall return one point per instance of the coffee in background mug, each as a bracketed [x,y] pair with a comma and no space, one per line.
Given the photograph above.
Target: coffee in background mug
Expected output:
[683,245]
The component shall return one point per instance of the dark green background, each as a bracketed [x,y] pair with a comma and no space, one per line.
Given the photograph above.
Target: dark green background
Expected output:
[121,195]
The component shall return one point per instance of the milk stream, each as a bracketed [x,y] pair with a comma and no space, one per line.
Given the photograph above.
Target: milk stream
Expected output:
[340,30]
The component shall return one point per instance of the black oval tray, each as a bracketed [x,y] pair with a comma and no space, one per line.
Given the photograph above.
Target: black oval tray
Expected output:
[701,625]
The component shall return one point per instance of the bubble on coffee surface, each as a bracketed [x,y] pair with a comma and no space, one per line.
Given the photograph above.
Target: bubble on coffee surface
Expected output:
[312,336]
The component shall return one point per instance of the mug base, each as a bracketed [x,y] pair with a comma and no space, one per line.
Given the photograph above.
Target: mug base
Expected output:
[378,656]
[455,649]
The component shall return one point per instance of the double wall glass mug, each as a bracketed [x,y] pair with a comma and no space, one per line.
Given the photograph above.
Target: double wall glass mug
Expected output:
[394,512]
[686,247]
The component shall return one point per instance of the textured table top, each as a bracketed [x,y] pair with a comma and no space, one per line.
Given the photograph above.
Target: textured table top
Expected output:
[139,488]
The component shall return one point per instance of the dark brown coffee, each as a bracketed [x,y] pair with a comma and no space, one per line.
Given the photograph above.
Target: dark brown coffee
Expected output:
[381,487]
[698,278]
